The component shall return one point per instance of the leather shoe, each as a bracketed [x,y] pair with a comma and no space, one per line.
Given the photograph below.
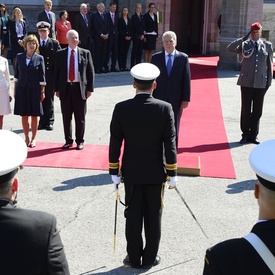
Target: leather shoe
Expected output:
[156,262]
[67,146]
[244,140]
[254,141]
[114,70]
[79,146]
[41,127]
[49,127]
[127,263]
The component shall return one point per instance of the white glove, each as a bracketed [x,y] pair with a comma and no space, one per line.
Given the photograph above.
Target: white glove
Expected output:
[172,182]
[116,181]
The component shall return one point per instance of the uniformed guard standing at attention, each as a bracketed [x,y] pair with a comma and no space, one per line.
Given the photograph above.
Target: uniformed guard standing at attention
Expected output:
[256,57]
[47,48]
[255,253]
[30,243]
[146,126]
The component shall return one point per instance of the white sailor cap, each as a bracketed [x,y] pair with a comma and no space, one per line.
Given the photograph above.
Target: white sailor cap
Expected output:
[13,152]
[145,72]
[43,25]
[262,161]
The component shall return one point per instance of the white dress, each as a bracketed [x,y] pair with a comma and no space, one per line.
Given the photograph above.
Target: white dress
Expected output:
[5,107]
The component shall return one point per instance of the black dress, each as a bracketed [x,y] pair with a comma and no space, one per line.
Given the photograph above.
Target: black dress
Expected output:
[28,90]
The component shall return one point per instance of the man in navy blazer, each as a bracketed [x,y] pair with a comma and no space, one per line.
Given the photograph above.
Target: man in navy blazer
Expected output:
[173,86]
[48,16]
[30,242]
[73,92]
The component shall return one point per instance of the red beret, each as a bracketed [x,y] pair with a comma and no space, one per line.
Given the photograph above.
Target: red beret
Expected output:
[255,26]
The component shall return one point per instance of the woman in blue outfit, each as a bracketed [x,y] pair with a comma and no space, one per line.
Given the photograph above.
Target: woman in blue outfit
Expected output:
[29,85]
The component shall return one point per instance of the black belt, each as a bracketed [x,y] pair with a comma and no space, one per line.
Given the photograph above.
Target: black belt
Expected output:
[72,83]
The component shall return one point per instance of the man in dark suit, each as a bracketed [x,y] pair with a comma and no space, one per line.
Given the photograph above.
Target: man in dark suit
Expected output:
[249,255]
[30,242]
[146,126]
[48,16]
[173,84]
[138,31]
[255,78]
[112,47]
[47,48]
[73,85]
[82,23]
[101,36]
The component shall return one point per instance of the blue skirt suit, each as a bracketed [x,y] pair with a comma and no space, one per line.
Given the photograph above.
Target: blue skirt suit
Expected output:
[29,76]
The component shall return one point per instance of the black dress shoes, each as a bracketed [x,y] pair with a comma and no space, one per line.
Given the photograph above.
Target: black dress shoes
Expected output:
[49,127]
[114,70]
[244,140]
[127,263]
[79,146]
[41,127]
[254,140]
[156,262]
[67,146]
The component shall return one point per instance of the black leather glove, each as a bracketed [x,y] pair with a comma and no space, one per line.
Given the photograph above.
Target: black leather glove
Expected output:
[246,36]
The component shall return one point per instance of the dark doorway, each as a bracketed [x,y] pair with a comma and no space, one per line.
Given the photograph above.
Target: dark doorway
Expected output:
[187,22]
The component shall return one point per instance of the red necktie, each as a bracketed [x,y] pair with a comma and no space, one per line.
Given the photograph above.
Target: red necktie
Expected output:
[71,67]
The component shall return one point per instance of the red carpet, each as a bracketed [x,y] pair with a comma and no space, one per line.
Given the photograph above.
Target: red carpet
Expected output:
[202,133]
[202,128]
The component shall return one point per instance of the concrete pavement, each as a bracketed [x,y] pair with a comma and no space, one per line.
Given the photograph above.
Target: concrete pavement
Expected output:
[83,200]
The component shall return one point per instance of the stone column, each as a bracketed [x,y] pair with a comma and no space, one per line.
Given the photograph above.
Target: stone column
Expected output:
[236,18]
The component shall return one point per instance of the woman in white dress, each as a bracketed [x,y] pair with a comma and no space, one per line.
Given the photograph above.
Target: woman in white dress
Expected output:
[5,97]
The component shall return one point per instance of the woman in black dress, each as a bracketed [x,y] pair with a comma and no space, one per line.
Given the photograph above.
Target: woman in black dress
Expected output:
[124,38]
[29,86]
[5,37]
[151,29]
[18,32]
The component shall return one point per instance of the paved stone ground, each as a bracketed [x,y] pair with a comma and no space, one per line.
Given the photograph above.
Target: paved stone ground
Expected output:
[83,200]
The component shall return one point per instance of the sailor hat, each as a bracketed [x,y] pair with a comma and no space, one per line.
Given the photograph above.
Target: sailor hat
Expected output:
[13,153]
[43,26]
[262,161]
[145,72]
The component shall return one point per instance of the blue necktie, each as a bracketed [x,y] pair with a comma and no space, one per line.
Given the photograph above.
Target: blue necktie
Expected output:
[256,46]
[169,64]
[50,18]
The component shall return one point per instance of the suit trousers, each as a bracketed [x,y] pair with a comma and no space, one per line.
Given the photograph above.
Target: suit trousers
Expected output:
[71,104]
[48,106]
[144,206]
[177,116]
[123,48]
[136,54]
[251,110]
[112,51]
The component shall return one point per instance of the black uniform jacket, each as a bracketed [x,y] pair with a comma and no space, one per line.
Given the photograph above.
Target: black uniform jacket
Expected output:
[146,125]
[238,257]
[30,243]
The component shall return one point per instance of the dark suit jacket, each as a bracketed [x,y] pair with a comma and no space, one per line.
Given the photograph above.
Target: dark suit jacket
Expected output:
[85,72]
[176,87]
[100,26]
[113,29]
[30,243]
[146,125]
[85,32]
[138,26]
[32,74]
[13,37]
[150,24]
[123,29]
[49,54]
[238,257]
[42,16]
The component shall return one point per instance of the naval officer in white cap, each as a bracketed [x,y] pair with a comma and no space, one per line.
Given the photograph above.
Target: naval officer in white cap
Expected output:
[253,254]
[146,126]
[29,240]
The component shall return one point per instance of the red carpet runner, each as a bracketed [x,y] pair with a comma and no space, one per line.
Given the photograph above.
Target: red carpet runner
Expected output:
[202,133]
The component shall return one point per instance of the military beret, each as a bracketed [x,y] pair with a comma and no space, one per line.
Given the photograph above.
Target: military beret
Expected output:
[255,26]
[262,161]
[13,153]
[145,72]
[43,25]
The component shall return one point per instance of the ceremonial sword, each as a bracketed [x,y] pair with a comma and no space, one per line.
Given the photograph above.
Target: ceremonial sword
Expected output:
[187,206]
